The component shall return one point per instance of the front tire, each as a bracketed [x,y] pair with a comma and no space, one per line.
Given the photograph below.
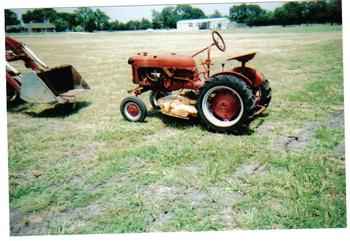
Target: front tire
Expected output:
[225,103]
[133,109]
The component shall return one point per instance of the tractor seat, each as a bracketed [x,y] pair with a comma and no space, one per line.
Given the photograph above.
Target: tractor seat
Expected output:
[243,58]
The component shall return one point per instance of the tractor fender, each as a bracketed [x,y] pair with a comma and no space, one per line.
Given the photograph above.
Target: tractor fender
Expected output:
[236,74]
[253,75]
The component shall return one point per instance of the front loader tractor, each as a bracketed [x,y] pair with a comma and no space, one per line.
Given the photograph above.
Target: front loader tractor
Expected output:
[224,101]
[40,84]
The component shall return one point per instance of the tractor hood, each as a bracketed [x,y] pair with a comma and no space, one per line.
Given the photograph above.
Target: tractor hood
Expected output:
[165,60]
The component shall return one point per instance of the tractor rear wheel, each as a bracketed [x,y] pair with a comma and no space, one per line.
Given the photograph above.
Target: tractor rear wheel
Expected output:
[225,103]
[133,109]
[155,96]
[265,91]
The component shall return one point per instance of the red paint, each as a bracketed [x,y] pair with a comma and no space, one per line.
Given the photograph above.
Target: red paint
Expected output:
[167,60]
[15,51]
[12,83]
[225,105]
[133,109]
[236,74]
[256,77]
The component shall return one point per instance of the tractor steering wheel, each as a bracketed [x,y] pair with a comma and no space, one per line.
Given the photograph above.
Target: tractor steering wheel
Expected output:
[218,40]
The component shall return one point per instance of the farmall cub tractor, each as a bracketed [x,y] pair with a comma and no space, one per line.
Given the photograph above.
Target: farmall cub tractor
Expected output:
[224,102]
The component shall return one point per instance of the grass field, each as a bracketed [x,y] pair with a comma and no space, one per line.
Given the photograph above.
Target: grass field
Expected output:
[92,172]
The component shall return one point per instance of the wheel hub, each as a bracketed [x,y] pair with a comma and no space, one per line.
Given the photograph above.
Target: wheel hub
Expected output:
[225,105]
[133,109]
[222,106]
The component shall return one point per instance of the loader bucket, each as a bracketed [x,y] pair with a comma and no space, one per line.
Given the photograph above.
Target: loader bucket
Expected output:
[60,85]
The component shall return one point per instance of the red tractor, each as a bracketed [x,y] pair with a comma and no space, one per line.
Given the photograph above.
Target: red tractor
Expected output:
[224,101]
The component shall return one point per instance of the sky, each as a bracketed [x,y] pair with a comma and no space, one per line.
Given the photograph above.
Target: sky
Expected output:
[125,14]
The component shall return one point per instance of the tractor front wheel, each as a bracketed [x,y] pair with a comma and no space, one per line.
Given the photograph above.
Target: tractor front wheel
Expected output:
[133,109]
[225,103]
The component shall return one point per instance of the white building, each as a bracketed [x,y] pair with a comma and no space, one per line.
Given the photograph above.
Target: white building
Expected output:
[205,23]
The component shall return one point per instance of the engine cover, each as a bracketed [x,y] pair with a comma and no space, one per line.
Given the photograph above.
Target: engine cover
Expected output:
[166,60]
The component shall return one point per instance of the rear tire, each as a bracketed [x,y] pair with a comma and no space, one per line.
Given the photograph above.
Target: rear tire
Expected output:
[133,109]
[266,96]
[225,104]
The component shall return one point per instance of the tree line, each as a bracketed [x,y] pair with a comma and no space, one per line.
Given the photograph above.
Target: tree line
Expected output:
[291,13]
[89,20]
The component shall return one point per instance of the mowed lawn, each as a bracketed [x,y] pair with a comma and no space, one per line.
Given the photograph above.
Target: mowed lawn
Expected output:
[90,171]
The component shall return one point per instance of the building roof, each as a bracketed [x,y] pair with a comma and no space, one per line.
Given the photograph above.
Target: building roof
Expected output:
[202,20]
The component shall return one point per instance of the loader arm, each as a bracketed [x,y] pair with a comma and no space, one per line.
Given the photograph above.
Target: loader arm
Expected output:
[43,84]
[16,50]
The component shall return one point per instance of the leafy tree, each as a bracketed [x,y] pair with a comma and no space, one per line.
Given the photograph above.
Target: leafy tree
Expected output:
[262,20]
[216,14]
[246,13]
[62,21]
[115,25]
[309,12]
[101,19]
[39,15]
[86,18]
[291,13]
[145,24]
[335,11]
[123,26]
[168,17]
[280,16]
[322,11]
[157,21]
[186,11]
[133,25]
[78,28]
[11,18]
[107,26]
[90,25]
[69,18]
[317,12]
[61,25]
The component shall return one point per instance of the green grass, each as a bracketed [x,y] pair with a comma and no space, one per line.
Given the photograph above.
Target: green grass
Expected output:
[93,172]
